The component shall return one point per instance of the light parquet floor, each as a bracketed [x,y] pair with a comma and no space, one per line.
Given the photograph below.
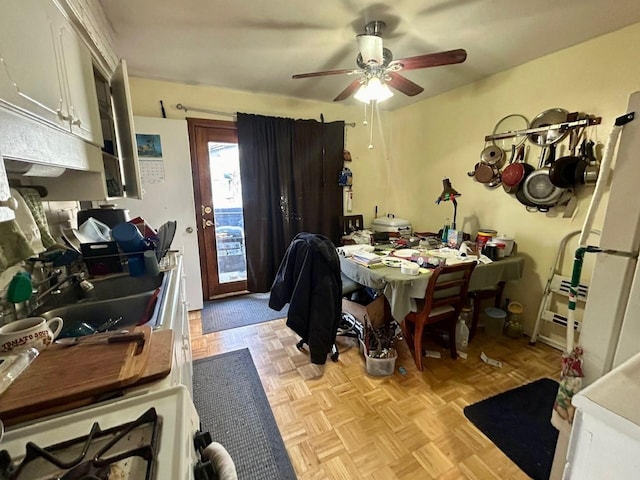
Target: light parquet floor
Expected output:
[339,423]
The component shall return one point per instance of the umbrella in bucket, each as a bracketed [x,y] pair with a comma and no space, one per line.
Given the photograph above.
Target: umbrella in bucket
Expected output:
[572,374]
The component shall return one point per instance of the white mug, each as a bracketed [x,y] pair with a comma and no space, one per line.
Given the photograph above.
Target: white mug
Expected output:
[29,332]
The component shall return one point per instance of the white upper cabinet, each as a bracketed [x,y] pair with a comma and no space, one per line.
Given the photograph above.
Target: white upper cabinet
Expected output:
[7,203]
[46,68]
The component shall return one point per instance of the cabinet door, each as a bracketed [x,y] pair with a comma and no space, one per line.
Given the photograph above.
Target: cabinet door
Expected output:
[30,77]
[80,89]
[6,213]
[127,148]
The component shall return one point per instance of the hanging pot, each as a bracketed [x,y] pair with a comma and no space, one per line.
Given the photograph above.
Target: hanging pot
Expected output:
[547,118]
[492,155]
[484,172]
[537,187]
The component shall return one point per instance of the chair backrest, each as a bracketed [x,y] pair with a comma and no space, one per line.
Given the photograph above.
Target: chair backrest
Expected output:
[351,223]
[448,285]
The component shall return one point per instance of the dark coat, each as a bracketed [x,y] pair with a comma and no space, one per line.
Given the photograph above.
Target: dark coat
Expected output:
[309,280]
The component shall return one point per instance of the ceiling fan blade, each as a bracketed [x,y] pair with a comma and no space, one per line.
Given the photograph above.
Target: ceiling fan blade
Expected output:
[328,72]
[370,47]
[431,60]
[404,85]
[350,90]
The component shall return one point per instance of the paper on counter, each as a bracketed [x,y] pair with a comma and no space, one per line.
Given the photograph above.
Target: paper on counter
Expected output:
[490,361]
[347,250]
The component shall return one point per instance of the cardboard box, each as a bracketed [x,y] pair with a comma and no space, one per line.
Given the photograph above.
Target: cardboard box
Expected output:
[378,312]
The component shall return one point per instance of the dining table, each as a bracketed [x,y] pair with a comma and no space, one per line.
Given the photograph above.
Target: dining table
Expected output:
[402,290]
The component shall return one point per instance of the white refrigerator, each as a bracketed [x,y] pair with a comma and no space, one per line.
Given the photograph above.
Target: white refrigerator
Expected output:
[611,323]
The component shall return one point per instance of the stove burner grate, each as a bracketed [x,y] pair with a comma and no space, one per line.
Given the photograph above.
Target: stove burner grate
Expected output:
[124,451]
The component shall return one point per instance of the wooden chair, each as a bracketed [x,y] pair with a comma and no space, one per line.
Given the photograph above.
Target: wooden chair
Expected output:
[443,300]
[351,223]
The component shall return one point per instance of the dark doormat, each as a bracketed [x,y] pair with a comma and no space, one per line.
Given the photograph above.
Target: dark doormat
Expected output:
[238,311]
[233,407]
[518,422]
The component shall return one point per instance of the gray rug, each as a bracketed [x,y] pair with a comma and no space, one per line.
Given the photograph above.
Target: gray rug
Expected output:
[238,311]
[233,407]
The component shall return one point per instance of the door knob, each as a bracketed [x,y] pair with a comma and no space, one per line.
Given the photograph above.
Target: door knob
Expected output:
[189,229]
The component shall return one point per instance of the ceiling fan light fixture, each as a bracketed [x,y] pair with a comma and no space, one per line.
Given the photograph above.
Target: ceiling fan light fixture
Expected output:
[373,89]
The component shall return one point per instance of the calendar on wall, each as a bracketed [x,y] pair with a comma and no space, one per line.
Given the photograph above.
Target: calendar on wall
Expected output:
[151,170]
[150,156]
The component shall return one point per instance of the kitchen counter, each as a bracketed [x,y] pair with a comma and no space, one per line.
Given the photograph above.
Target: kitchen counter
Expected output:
[170,313]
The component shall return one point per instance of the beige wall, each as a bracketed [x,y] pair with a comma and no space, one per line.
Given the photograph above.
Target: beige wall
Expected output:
[415,147]
[443,137]
[368,166]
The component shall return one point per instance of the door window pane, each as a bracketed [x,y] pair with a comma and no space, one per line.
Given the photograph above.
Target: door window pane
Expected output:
[227,211]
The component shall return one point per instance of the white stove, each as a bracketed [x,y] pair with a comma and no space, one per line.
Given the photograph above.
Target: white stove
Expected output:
[148,436]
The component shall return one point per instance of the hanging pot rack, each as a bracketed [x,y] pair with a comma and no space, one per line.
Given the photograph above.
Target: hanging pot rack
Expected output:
[586,122]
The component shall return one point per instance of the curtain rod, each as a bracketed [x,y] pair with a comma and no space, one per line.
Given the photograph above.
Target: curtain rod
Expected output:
[186,108]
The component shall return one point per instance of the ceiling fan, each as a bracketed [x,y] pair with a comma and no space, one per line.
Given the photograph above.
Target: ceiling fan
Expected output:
[378,70]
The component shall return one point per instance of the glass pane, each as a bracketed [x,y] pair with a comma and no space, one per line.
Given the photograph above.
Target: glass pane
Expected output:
[227,211]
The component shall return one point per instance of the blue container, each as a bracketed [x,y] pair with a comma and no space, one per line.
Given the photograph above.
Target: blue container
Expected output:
[128,237]
[135,265]
[494,321]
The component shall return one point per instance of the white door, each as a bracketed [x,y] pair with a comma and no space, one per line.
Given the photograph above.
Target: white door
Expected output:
[168,195]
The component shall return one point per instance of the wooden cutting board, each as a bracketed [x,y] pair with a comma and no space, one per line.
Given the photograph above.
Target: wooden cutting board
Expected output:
[61,378]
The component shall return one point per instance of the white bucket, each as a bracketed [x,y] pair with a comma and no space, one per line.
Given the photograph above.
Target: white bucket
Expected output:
[379,367]
[508,243]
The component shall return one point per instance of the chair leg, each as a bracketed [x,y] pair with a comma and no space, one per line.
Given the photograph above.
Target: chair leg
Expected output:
[417,339]
[407,331]
[452,339]
[475,316]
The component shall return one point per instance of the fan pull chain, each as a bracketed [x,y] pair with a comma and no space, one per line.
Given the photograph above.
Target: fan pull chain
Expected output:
[373,105]
[364,121]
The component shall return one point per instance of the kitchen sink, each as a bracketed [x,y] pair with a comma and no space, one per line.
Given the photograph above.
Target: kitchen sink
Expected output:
[122,286]
[132,309]
[132,298]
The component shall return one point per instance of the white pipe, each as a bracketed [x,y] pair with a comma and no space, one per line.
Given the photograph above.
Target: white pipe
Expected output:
[603,178]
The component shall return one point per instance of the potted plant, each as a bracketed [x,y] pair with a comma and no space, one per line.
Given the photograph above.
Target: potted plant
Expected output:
[378,348]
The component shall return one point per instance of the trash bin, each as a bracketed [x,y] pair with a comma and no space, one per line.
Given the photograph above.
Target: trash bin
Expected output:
[494,321]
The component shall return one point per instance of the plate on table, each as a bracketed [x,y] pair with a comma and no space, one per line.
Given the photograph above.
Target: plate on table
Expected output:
[405,252]
[392,262]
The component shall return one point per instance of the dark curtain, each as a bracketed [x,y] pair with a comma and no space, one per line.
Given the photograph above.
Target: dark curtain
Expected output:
[289,170]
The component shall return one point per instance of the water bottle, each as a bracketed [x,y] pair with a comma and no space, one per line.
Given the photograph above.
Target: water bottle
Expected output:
[462,330]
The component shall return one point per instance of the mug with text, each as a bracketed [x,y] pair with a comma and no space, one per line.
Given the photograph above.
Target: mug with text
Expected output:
[29,332]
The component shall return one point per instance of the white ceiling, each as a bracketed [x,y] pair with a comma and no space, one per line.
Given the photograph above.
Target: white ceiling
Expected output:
[257,45]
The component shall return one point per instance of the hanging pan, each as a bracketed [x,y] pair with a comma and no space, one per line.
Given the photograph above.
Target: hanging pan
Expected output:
[564,172]
[513,173]
[537,187]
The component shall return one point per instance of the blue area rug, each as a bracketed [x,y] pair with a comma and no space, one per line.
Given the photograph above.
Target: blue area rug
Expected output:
[518,422]
[233,407]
